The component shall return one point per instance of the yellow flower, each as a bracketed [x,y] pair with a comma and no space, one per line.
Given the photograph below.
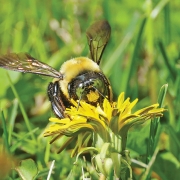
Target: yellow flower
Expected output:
[112,118]
[101,130]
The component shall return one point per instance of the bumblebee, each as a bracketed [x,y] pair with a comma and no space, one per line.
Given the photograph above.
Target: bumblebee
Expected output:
[79,78]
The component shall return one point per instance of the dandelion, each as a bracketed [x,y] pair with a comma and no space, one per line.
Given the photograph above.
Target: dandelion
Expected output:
[106,126]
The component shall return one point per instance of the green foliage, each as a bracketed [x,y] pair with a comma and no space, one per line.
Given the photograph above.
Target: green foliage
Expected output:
[142,55]
[27,169]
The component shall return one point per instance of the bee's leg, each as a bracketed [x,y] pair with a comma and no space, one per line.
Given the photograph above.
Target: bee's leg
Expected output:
[55,95]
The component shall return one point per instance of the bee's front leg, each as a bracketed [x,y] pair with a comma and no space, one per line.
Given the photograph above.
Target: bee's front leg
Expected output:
[55,97]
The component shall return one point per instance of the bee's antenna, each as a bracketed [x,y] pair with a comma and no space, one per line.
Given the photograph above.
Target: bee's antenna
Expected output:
[99,92]
[80,100]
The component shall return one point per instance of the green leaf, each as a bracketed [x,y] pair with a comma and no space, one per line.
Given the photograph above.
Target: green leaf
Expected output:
[162,94]
[105,150]
[116,158]
[153,137]
[83,150]
[27,169]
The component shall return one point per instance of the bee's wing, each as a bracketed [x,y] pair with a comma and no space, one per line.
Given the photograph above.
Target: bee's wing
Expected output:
[98,35]
[23,62]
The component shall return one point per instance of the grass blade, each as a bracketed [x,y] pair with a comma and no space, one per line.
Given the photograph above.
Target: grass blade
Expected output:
[131,68]
[5,132]
[12,119]
[21,108]
[117,53]
[166,60]
[154,126]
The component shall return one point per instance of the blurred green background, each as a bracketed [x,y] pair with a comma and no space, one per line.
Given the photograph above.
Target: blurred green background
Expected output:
[141,56]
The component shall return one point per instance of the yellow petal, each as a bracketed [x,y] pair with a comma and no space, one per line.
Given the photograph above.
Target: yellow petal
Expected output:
[146,109]
[107,109]
[61,121]
[120,100]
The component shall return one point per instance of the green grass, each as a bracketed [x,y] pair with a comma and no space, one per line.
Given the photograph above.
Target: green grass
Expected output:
[142,55]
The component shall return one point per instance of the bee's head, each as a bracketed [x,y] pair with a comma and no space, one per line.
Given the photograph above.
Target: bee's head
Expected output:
[90,86]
